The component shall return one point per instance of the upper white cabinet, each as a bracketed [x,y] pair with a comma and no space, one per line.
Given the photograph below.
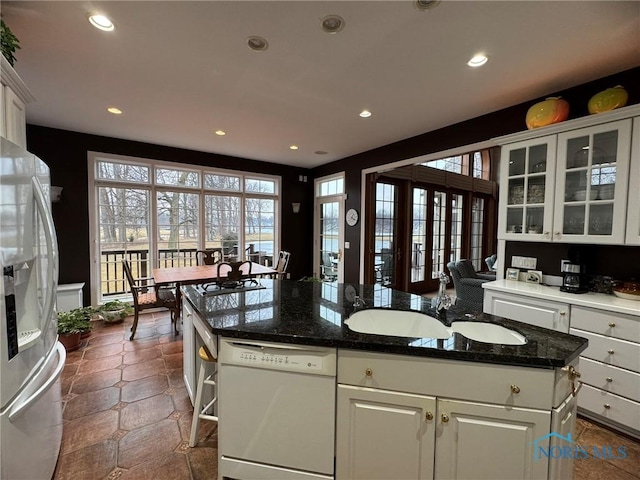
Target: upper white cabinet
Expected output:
[633,209]
[14,95]
[570,182]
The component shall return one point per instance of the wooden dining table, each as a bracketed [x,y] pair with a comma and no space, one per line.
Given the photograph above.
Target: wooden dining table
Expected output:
[199,274]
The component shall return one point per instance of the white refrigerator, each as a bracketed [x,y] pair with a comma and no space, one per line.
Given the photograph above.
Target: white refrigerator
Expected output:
[31,358]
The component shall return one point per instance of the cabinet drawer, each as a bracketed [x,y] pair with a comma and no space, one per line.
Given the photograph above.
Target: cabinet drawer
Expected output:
[611,379]
[552,315]
[625,327]
[610,406]
[471,381]
[611,350]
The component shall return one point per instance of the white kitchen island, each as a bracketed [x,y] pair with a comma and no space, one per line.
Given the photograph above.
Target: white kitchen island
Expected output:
[418,408]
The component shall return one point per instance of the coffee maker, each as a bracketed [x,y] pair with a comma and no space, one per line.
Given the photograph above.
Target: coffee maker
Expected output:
[574,278]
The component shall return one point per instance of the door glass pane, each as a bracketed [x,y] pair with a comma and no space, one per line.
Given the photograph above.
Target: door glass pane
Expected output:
[536,189]
[517,161]
[124,234]
[456,228]
[516,192]
[222,223]
[329,230]
[439,233]
[385,231]
[418,240]
[515,220]
[538,158]
[477,232]
[178,231]
[259,235]
[603,182]
[574,219]
[605,147]
[578,152]
[577,188]
[601,219]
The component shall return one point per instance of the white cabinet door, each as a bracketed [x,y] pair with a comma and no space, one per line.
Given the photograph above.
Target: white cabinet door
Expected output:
[189,350]
[15,118]
[527,172]
[633,212]
[543,313]
[591,184]
[475,440]
[382,434]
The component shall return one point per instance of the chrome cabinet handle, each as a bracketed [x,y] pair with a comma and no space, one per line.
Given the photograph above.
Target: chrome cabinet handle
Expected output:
[607,406]
[428,416]
[515,389]
[612,324]
[445,418]
[562,314]
[611,352]
[609,379]
[369,372]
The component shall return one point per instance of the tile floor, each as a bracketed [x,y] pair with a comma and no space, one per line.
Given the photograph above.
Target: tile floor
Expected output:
[127,414]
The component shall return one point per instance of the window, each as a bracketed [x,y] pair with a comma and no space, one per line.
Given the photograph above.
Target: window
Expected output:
[477,232]
[158,214]
[474,164]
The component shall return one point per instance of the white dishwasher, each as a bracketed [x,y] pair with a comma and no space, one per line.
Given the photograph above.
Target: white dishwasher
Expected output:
[276,410]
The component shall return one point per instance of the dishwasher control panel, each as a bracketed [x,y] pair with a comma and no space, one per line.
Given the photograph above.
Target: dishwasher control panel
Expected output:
[274,356]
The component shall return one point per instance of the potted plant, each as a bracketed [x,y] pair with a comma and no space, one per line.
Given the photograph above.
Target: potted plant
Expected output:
[114,311]
[72,325]
[9,42]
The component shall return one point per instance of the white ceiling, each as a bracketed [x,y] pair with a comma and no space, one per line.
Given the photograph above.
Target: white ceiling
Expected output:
[181,70]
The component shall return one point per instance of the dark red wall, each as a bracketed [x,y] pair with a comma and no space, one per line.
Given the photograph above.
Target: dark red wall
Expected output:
[66,153]
[502,122]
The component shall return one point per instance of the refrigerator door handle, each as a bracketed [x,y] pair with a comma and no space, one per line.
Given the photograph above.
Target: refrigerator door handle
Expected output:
[52,246]
[20,409]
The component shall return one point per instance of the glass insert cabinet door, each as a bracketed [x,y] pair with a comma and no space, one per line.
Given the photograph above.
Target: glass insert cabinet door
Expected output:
[527,205]
[591,183]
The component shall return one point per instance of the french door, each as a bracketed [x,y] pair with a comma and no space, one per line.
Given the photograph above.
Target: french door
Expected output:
[329,228]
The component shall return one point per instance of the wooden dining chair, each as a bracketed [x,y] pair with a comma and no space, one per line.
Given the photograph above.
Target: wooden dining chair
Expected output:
[234,274]
[147,295]
[210,256]
[282,265]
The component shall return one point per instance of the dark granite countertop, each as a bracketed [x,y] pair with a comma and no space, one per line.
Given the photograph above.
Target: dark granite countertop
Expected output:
[309,313]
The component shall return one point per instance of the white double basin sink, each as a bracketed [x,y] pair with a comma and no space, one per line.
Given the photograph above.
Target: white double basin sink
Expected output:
[399,323]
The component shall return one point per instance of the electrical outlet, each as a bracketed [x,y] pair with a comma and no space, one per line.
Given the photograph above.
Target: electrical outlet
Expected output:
[524,262]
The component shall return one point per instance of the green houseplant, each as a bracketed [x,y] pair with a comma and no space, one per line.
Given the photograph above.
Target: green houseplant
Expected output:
[72,325]
[9,43]
[114,311]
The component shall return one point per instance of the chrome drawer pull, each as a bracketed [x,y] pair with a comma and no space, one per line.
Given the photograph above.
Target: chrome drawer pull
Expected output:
[611,351]
[607,406]
[612,324]
[515,389]
[369,372]
[429,416]
[445,418]
[609,379]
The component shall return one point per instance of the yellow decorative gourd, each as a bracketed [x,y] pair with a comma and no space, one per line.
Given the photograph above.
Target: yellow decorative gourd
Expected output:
[609,99]
[552,110]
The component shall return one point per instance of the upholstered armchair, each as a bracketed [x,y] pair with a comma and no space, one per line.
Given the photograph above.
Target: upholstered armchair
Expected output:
[468,285]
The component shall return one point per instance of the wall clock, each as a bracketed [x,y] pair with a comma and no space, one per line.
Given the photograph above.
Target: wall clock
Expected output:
[352,217]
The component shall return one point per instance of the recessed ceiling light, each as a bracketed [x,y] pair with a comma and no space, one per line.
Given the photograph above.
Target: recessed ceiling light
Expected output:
[257,44]
[426,4]
[114,110]
[220,132]
[293,147]
[365,113]
[332,23]
[101,22]
[478,60]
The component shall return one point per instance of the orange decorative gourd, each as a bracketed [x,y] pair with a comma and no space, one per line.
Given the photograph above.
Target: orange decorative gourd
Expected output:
[552,110]
[609,99]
